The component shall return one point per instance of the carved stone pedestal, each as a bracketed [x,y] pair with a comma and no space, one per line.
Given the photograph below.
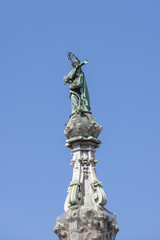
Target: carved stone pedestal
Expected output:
[85,217]
[84,223]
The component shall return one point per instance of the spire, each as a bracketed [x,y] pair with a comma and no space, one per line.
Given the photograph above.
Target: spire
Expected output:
[85,214]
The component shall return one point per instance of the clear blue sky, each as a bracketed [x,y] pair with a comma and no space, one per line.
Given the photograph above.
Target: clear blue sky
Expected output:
[121,40]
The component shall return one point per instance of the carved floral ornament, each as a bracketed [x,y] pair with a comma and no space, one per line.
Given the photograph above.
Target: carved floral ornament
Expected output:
[87,224]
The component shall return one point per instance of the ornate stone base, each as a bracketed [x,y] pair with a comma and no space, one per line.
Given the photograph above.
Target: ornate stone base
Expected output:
[84,125]
[86,224]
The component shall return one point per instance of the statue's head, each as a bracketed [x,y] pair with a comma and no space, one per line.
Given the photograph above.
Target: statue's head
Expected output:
[74,60]
[75,63]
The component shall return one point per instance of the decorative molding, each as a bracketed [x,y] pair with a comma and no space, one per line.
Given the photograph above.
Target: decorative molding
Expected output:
[99,196]
[85,163]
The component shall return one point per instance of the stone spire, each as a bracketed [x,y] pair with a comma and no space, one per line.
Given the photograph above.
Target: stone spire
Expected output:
[85,216]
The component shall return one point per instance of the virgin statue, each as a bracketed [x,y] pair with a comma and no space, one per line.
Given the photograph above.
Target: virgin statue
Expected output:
[78,87]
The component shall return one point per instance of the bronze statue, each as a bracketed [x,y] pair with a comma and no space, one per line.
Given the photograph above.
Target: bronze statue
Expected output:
[78,87]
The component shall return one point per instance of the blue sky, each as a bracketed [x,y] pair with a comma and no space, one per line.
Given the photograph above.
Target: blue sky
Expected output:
[121,40]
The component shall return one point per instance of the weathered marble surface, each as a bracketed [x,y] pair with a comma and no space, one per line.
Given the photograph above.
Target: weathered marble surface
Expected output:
[84,189]
[84,223]
[85,216]
[82,124]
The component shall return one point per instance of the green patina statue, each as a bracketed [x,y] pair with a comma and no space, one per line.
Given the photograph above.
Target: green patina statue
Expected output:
[78,87]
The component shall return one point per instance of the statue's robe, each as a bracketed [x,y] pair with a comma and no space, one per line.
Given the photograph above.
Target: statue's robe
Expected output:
[78,90]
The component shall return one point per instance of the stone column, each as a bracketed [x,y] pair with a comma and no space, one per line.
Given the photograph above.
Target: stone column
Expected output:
[85,216]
